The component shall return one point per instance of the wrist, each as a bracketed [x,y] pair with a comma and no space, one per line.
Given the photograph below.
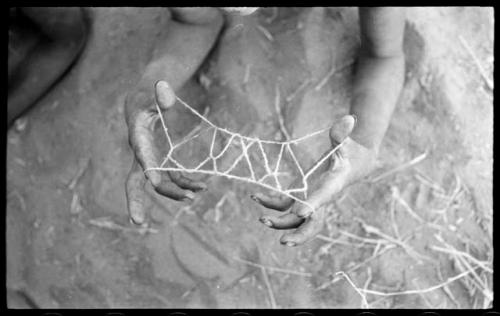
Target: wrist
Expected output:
[371,140]
[361,159]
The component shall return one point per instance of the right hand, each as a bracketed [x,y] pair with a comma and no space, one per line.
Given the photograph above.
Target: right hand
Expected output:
[142,122]
[193,33]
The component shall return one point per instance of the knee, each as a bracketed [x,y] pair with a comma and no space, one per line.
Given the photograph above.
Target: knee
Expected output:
[198,15]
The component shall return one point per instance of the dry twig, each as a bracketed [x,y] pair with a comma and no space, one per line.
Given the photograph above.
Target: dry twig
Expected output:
[281,120]
[269,288]
[397,196]
[337,241]
[476,61]
[330,73]
[84,164]
[425,180]
[374,230]
[430,289]
[446,288]
[406,165]
[108,224]
[247,74]
[359,265]
[304,274]
[303,85]
[364,303]
[266,33]
[482,264]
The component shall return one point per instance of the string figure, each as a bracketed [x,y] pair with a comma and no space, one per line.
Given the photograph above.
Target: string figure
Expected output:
[244,143]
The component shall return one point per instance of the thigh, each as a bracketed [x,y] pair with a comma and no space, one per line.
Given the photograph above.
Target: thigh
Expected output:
[23,38]
[58,23]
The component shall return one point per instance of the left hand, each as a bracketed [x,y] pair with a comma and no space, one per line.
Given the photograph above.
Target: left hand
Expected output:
[351,162]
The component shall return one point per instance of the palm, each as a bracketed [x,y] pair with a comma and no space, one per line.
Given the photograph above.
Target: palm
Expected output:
[350,162]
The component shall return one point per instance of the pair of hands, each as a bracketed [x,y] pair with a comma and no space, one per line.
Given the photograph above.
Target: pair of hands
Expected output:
[351,162]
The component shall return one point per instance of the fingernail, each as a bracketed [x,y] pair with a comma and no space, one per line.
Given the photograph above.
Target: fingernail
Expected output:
[136,215]
[303,213]
[188,197]
[137,220]
[290,244]
[266,221]
[164,94]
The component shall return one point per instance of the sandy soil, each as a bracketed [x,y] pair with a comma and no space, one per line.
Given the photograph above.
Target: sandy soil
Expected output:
[69,241]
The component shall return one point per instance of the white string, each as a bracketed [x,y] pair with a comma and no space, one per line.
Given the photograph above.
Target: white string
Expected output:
[245,143]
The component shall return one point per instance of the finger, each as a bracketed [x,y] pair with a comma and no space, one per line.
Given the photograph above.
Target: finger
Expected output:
[287,221]
[171,190]
[304,233]
[141,141]
[342,128]
[279,203]
[134,188]
[164,94]
[186,183]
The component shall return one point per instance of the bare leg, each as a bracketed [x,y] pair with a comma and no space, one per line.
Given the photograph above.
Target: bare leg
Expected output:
[55,37]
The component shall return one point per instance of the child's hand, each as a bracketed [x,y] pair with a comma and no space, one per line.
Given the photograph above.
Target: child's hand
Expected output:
[141,136]
[192,33]
[350,162]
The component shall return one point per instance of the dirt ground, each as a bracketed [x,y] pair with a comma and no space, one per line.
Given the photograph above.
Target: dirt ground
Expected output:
[69,241]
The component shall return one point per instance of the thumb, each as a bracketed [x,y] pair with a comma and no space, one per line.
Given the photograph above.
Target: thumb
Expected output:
[134,189]
[165,96]
[342,128]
